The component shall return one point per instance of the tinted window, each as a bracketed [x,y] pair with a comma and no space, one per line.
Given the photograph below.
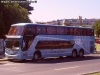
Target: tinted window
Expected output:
[51,30]
[71,32]
[75,31]
[16,30]
[90,32]
[54,44]
[43,30]
[84,32]
[67,31]
[60,31]
[39,29]
[30,30]
[78,31]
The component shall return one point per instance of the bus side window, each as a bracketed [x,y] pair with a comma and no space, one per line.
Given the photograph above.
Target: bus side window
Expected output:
[71,31]
[54,30]
[90,32]
[30,30]
[78,32]
[68,31]
[84,32]
[60,30]
[38,29]
[51,30]
[75,31]
[43,30]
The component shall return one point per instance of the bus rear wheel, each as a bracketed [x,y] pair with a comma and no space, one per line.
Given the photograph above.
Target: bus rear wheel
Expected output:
[81,53]
[74,53]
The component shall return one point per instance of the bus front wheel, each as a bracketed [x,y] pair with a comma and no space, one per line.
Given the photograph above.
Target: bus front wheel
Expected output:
[36,57]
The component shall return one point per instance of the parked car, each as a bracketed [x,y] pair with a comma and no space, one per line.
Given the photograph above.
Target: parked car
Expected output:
[97,41]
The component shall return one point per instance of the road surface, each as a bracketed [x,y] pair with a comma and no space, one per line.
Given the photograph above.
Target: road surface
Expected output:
[65,66]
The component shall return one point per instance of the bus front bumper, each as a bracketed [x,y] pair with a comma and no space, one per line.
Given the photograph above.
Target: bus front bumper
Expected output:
[12,56]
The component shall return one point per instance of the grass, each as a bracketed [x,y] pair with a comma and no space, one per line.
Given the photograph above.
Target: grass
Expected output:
[97,73]
[97,46]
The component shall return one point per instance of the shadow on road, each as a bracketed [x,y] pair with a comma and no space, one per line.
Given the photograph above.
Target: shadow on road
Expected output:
[58,60]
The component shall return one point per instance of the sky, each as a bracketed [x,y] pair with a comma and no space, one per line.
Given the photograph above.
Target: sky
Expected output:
[49,10]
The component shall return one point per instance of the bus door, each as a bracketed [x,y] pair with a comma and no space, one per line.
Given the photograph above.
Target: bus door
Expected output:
[28,39]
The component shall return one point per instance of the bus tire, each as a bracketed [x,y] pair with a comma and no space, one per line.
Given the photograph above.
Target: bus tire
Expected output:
[60,57]
[23,60]
[36,57]
[74,53]
[10,59]
[81,53]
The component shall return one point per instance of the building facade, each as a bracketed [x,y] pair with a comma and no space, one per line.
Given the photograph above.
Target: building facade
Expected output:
[75,22]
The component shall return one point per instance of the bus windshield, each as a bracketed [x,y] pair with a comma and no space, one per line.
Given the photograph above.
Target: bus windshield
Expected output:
[13,43]
[16,30]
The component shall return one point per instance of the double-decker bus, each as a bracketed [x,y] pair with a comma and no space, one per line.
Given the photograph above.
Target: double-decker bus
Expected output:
[35,41]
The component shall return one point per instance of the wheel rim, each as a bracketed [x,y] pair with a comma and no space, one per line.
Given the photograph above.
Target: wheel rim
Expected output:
[74,54]
[36,57]
[81,53]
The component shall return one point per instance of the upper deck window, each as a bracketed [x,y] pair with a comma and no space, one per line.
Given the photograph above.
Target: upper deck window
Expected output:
[43,30]
[84,32]
[39,29]
[77,31]
[30,30]
[16,30]
[51,30]
[60,30]
[90,32]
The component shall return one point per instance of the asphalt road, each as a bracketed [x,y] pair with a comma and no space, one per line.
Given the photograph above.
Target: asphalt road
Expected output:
[65,66]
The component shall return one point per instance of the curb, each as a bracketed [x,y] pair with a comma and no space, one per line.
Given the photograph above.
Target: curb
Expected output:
[92,72]
[97,52]
[3,59]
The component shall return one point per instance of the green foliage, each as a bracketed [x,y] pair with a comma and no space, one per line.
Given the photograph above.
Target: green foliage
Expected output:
[85,26]
[26,6]
[97,28]
[67,23]
[58,23]
[11,13]
[15,13]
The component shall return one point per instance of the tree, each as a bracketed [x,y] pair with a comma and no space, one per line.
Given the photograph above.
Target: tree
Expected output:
[58,22]
[97,28]
[67,23]
[26,6]
[11,13]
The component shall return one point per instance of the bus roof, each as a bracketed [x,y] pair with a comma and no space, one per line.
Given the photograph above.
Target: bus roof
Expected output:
[26,24]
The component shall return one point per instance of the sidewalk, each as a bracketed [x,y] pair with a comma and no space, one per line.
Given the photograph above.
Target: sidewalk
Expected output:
[97,52]
[2,58]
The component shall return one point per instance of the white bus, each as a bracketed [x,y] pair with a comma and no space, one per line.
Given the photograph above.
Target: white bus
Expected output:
[35,41]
